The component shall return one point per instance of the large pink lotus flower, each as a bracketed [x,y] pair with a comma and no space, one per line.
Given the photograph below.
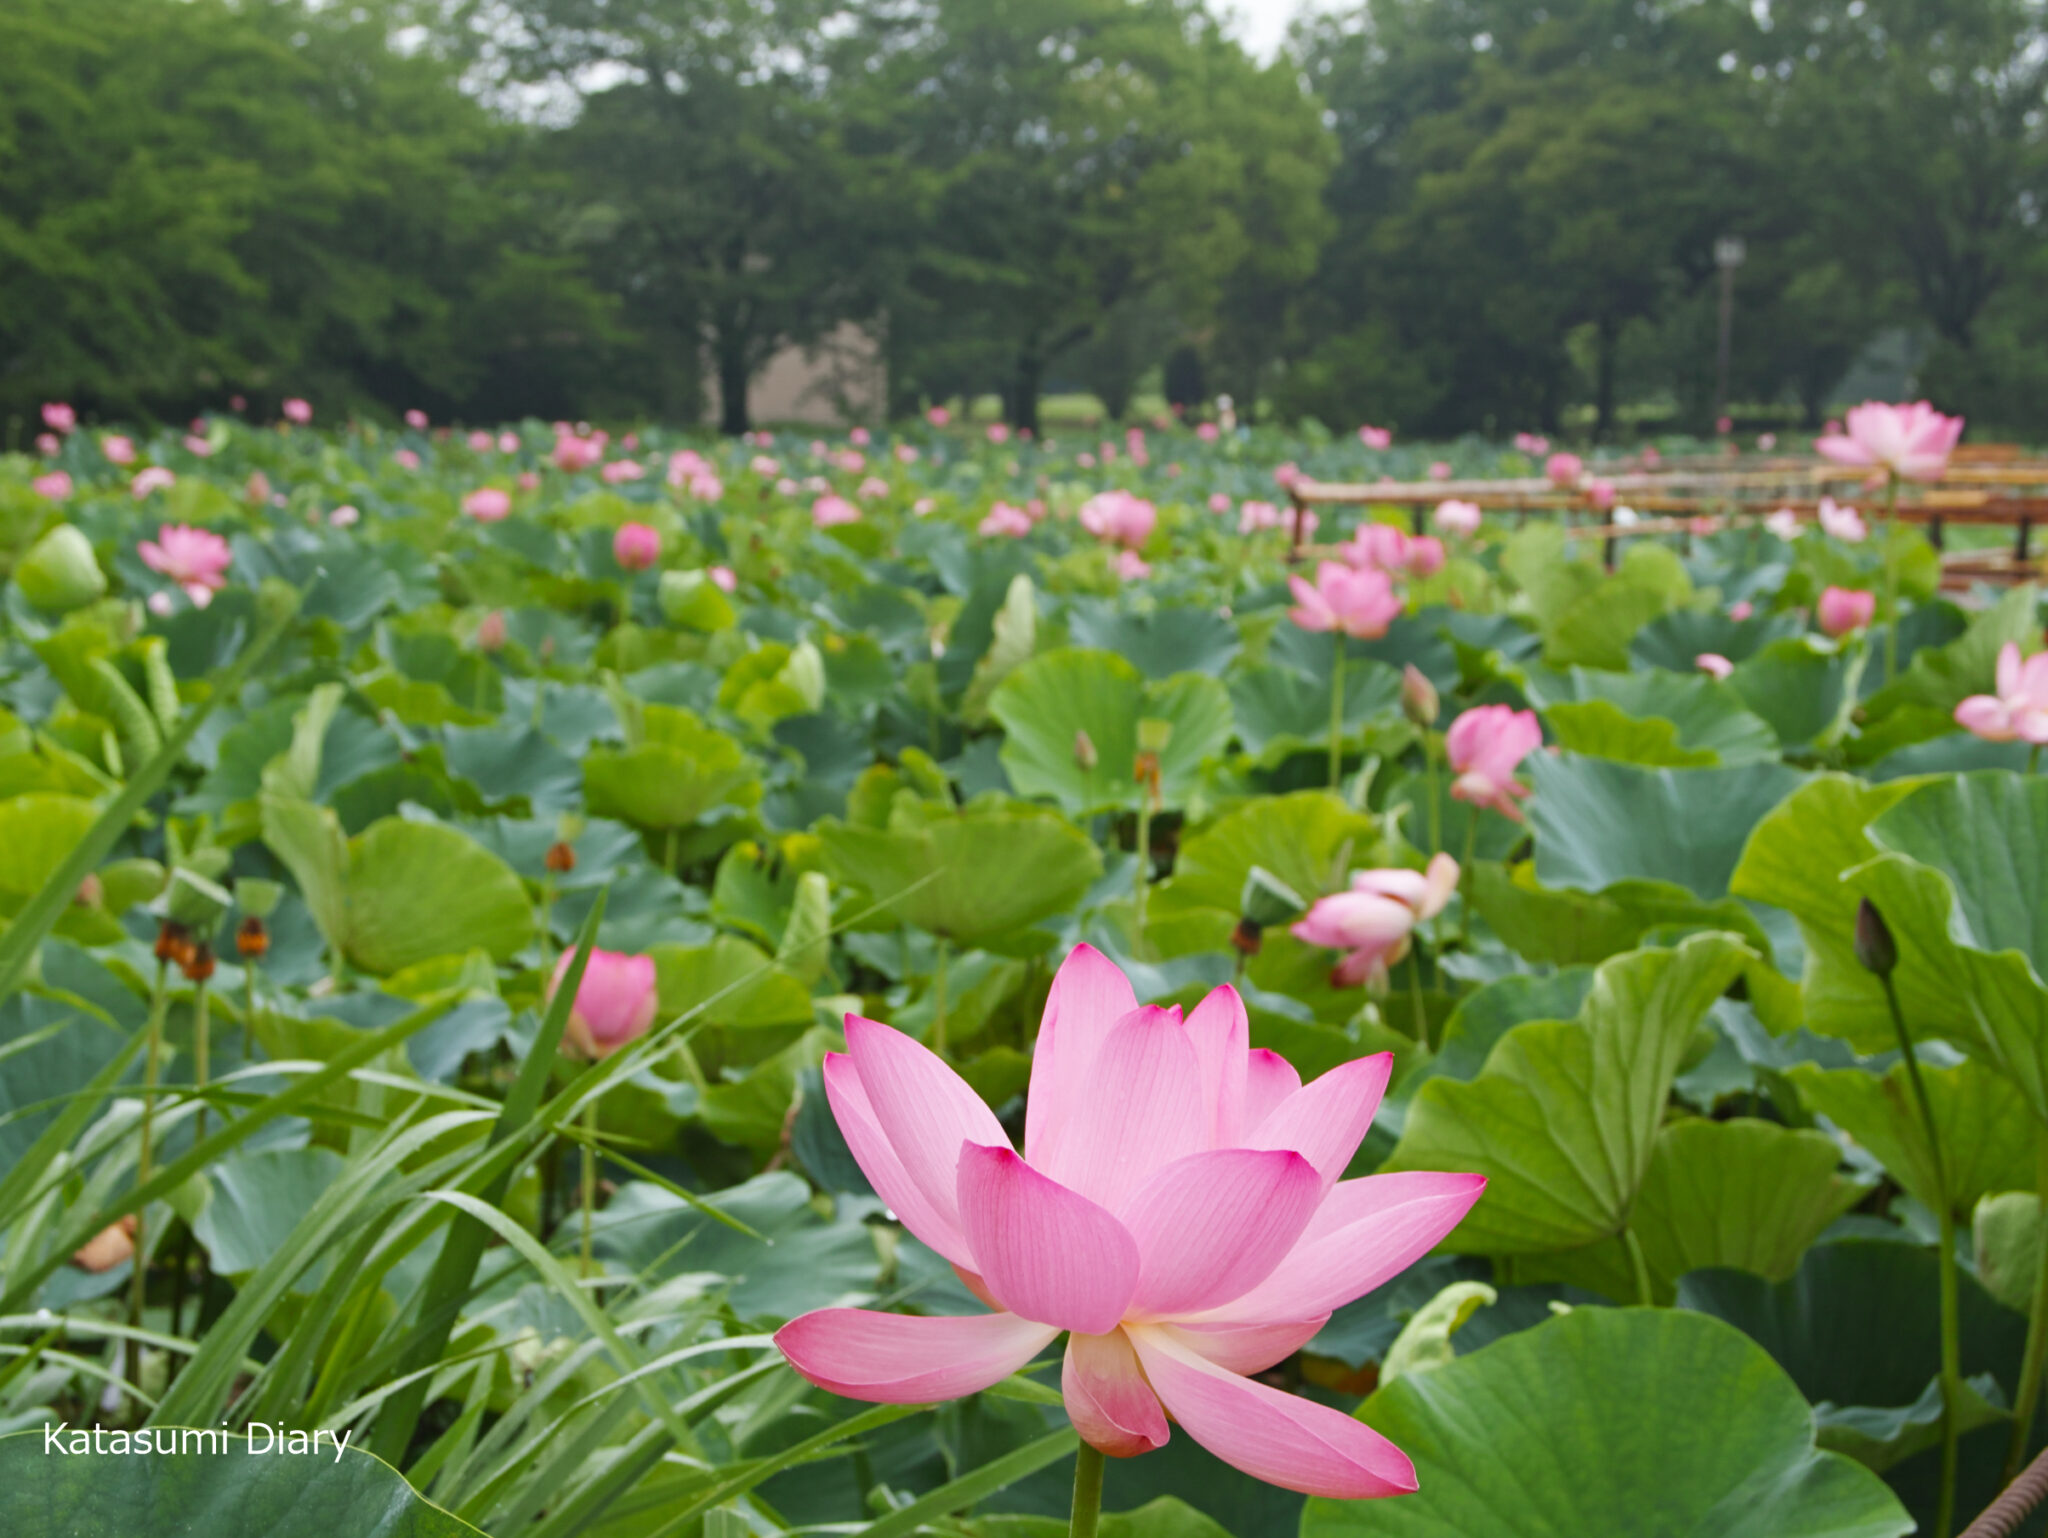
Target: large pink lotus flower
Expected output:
[614,1005]
[1120,518]
[2018,711]
[1177,1212]
[1842,610]
[1912,442]
[636,546]
[1360,602]
[1485,746]
[196,559]
[1373,921]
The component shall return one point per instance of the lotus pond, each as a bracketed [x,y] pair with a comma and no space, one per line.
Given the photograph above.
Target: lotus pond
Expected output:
[640,986]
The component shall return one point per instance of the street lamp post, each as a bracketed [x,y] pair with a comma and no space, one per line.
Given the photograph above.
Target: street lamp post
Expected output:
[1729,254]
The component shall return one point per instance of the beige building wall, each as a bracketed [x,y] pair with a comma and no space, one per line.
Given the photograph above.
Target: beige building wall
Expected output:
[835,382]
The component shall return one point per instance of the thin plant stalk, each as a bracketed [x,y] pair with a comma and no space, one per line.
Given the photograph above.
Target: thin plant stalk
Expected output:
[1415,999]
[1645,1294]
[1436,816]
[1465,879]
[1951,1339]
[201,1031]
[153,1065]
[1144,875]
[1891,592]
[1087,1512]
[1337,714]
[589,1180]
[2028,1399]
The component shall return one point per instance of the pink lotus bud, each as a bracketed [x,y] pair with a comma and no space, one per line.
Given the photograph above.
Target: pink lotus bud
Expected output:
[1564,470]
[1842,610]
[636,546]
[490,632]
[1714,663]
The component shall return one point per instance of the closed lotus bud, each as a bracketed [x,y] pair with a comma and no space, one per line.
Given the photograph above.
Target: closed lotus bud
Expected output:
[107,1248]
[1084,751]
[251,938]
[490,632]
[1876,950]
[805,673]
[60,572]
[91,892]
[695,600]
[561,858]
[1419,702]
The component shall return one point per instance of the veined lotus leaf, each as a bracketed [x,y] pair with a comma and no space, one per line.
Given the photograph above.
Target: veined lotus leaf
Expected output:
[679,771]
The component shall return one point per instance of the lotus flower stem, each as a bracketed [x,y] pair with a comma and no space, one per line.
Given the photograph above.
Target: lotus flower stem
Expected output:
[1465,879]
[1415,998]
[1144,875]
[1436,820]
[1337,715]
[1891,610]
[589,1179]
[201,1030]
[1951,1347]
[1088,1466]
[2034,758]
[2028,1399]
[1645,1294]
[139,1276]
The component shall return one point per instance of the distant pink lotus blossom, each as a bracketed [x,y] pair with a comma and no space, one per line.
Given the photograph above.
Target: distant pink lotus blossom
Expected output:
[1741,610]
[1286,473]
[196,560]
[119,450]
[1375,919]
[1843,610]
[56,485]
[1357,602]
[622,470]
[1440,470]
[1455,517]
[490,632]
[1843,523]
[407,459]
[345,516]
[574,454]
[764,466]
[1600,494]
[59,417]
[923,507]
[200,447]
[297,410]
[1724,425]
[938,416]
[1912,442]
[874,486]
[1003,519]
[155,478]
[1376,437]
[906,453]
[509,443]
[257,487]
[416,420]
[1564,470]
[1120,517]
[481,442]
[1485,746]
[1131,566]
[832,509]
[49,445]
[1713,663]
[2018,709]
[1254,515]
[1036,509]
[849,460]
[529,480]
[1208,432]
[998,432]
[488,504]
[1085,460]
[1785,524]
[1219,504]
[724,578]
[1533,444]
[238,403]
[636,546]
[1765,442]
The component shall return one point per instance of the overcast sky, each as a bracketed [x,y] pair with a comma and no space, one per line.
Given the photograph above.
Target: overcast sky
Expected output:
[1262,24]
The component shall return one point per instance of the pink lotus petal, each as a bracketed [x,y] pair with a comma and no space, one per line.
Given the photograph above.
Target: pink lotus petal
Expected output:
[903,1359]
[1212,1226]
[923,1108]
[1139,1107]
[1269,1079]
[1047,1253]
[1108,1399]
[878,1161]
[1089,995]
[1325,1121]
[1365,1233]
[1287,1441]
[1220,1032]
[1251,1347]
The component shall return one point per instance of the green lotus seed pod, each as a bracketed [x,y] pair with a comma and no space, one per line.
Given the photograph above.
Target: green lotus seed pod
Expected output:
[805,673]
[196,902]
[60,573]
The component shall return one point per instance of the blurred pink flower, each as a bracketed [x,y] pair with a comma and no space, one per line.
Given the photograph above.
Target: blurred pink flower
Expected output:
[860,437]
[416,420]
[197,560]
[49,445]
[1843,523]
[849,460]
[620,470]
[529,480]
[407,459]
[488,504]
[59,417]
[1219,504]
[119,450]
[1178,1211]
[724,578]
[1912,442]
[763,466]
[490,632]
[924,506]
[1714,663]
[832,509]
[1440,470]
[1376,437]
[1765,442]
[297,410]
[938,416]
[636,546]
[1359,602]
[1741,609]
[481,442]
[1455,517]
[1208,432]
[998,432]
[56,485]
[906,453]
[1005,519]
[1485,746]
[1120,517]
[1130,566]
[198,446]
[1373,921]
[1564,470]
[345,517]
[509,443]
[1842,610]
[1724,425]
[1784,523]
[615,1004]
[874,486]
[1600,494]
[2018,710]
[155,478]
[574,454]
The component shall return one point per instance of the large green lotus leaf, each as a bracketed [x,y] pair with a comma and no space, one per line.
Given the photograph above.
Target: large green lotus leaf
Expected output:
[1052,702]
[1310,839]
[1941,677]
[1745,1194]
[973,876]
[1988,833]
[43,1066]
[246,1491]
[680,771]
[1675,641]
[37,833]
[1611,1422]
[736,983]
[418,890]
[308,840]
[1598,822]
[1563,1119]
[1160,642]
[1705,715]
[257,1200]
[1551,577]
[1601,729]
[1581,928]
[1798,686]
[1987,1139]
[1596,630]
[1282,711]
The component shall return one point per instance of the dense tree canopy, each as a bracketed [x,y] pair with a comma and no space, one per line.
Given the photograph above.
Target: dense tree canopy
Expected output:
[1443,214]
